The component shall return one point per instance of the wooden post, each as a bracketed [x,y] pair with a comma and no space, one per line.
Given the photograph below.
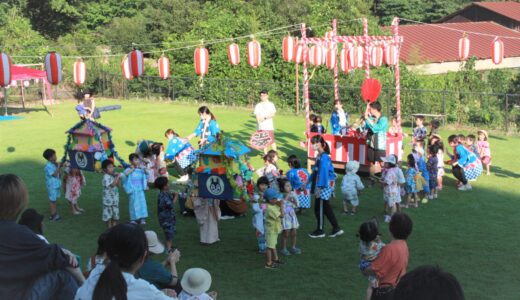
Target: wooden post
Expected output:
[22,93]
[4,91]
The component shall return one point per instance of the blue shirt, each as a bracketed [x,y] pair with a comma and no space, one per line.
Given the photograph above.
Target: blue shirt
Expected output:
[297,177]
[52,182]
[155,273]
[211,131]
[464,156]
[379,128]
[323,171]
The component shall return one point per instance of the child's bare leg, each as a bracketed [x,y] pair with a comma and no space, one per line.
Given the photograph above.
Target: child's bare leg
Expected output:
[416,198]
[53,208]
[488,169]
[275,254]
[268,257]
[285,236]
[168,244]
[293,237]
[439,182]
[398,207]
[369,292]
[345,206]
[354,208]
[408,199]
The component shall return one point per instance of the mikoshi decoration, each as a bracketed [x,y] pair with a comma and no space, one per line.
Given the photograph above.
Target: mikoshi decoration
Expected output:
[233,52]
[370,90]
[164,67]
[80,72]
[288,48]
[497,51]
[464,45]
[376,56]
[136,63]
[53,67]
[316,55]
[88,144]
[390,55]
[201,57]
[254,53]
[5,76]
[125,68]
[355,56]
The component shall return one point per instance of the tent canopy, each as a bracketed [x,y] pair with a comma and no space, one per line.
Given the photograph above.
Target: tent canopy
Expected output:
[24,73]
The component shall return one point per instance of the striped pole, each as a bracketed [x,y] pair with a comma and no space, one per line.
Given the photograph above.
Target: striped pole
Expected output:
[395,31]
[366,54]
[305,79]
[335,50]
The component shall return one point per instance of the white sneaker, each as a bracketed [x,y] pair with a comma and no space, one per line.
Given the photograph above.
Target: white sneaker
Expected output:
[227,217]
[435,196]
[468,187]
[184,178]
[387,218]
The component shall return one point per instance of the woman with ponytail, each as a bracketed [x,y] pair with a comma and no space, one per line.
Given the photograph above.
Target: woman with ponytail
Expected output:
[323,181]
[207,129]
[126,248]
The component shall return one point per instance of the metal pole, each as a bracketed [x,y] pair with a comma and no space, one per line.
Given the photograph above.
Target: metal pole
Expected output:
[335,50]
[4,91]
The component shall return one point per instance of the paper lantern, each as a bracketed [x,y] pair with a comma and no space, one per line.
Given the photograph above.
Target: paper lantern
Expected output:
[331,58]
[464,45]
[164,67]
[355,56]
[201,56]
[80,72]
[315,56]
[370,90]
[376,56]
[5,70]
[323,53]
[298,54]
[233,53]
[254,53]
[329,35]
[344,61]
[288,48]
[53,67]
[390,55]
[136,63]
[497,51]
[125,68]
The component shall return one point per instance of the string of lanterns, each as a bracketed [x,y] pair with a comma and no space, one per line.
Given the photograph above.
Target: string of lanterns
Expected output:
[497,49]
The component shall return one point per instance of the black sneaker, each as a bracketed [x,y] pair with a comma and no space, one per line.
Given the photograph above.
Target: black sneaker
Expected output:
[317,234]
[336,232]
[56,217]
[272,266]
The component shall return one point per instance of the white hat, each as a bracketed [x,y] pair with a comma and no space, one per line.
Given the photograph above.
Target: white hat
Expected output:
[352,166]
[196,281]
[389,159]
[154,245]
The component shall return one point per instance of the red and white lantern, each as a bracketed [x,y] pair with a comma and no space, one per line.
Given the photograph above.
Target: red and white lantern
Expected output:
[125,68]
[254,53]
[5,70]
[355,56]
[164,67]
[233,54]
[343,60]
[80,72]
[390,55]
[316,55]
[201,57]
[332,57]
[136,63]
[376,56]
[497,51]
[288,48]
[298,53]
[464,45]
[53,67]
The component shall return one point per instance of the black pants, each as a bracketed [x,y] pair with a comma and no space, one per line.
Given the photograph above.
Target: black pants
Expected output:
[226,211]
[179,169]
[322,207]
[458,172]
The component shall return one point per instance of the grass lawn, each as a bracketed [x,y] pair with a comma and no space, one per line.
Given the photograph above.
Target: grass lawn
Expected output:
[471,234]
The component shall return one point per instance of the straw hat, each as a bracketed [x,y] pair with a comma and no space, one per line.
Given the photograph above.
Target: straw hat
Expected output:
[196,281]
[154,245]
[484,133]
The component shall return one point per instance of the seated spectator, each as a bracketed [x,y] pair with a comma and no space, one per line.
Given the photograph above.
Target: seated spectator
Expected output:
[162,275]
[195,283]
[29,267]
[101,253]
[428,283]
[391,263]
[34,221]
[126,249]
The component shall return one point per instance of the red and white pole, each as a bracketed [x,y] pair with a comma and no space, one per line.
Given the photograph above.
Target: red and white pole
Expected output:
[397,74]
[335,50]
[305,79]
[366,53]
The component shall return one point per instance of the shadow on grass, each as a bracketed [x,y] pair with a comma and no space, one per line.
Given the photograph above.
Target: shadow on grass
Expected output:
[20,110]
[500,172]
[11,149]
[496,137]
[130,143]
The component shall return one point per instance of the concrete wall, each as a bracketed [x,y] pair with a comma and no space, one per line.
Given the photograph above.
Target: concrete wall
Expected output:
[445,67]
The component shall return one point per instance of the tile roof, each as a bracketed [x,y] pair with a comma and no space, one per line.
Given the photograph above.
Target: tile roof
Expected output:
[427,43]
[510,9]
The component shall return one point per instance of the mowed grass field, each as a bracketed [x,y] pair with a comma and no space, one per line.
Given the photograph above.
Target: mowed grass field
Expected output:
[472,234]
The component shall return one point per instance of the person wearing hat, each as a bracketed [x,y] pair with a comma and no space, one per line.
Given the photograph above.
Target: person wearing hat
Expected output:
[264,113]
[195,283]
[484,150]
[161,275]
[273,226]
[350,187]
[392,179]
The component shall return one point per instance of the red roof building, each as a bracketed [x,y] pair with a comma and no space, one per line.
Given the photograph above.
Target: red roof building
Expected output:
[505,13]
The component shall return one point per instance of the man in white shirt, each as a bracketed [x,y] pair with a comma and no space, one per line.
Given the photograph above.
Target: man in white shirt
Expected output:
[265,112]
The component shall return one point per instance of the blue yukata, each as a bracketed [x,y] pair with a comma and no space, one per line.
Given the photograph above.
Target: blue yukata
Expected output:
[297,178]
[324,177]
[469,162]
[410,180]
[421,166]
[166,214]
[258,224]
[53,183]
[134,184]
[337,128]
[208,132]
[181,151]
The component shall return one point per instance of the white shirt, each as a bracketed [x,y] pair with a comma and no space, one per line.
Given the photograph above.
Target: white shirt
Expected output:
[137,289]
[262,110]
[185,296]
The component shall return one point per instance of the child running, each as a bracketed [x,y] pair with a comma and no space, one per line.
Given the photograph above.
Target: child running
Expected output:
[370,245]
[258,213]
[351,185]
[273,226]
[290,222]
[52,171]
[484,150]
[73,180]
[110,193]
[299,179]
[165,210]
[135,183]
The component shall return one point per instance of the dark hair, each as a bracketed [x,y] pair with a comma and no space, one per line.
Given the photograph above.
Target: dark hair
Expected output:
[262,180]
[435,124]
[471,137]
[32,219]
[420,117]
[433,149]
[294,162]
[264,92]
[161,182]
[147,152]
[317,119]
[319,139]
[440,145]
[13,196]
[400,226]
[410,160]
[281,183]
[156,148]
[461,137]
[132,156]
[48,153]
[368,231]
[101,243]
[106,163]
[428,283]
[270,156]
[312,117]
[376,105]
[125,245]
[170,131]
[453,139]
[205,110]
